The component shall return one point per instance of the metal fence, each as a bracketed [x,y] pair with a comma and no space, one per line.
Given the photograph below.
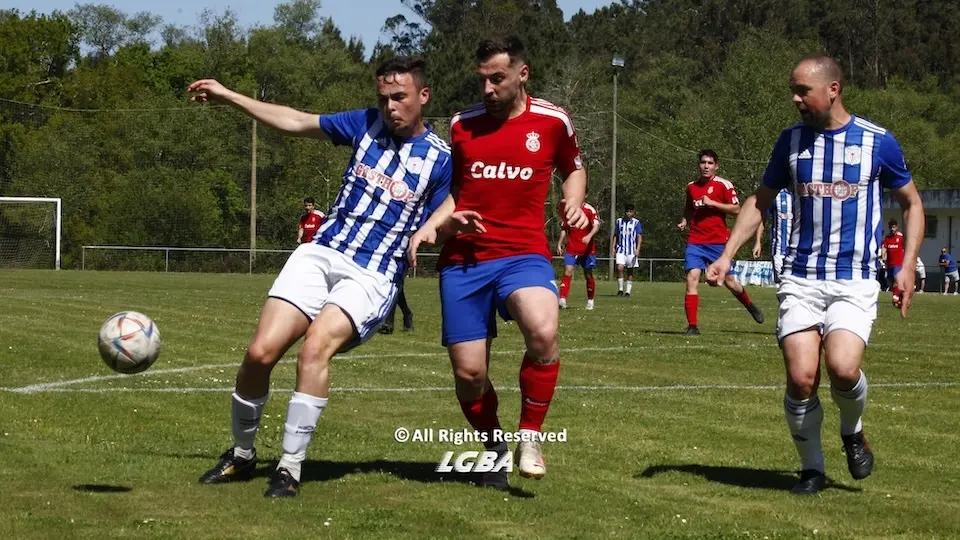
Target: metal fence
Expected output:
[244,260]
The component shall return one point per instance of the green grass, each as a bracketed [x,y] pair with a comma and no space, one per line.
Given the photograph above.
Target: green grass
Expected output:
[639,463]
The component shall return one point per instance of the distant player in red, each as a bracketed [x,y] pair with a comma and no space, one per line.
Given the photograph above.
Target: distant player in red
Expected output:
[497,259]
[710,199]
[892,253]
[310,221]
[581,250]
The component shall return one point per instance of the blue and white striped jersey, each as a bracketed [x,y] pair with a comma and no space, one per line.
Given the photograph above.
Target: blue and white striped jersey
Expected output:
[626,231]
[837,177]
[781,214]
[389,189]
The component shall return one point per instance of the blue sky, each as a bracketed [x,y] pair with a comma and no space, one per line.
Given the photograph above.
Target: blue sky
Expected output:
[354,17]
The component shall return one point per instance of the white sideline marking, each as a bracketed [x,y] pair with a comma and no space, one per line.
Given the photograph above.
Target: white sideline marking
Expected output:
[665,388]
[45,387]
[60,386]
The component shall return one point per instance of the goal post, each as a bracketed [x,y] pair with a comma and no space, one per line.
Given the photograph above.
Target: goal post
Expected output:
[30,232]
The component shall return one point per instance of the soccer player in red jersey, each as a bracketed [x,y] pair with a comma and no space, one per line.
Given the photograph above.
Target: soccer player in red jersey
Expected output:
[581,250]
[710,199]
[496,257]
[310,221]
[892,250]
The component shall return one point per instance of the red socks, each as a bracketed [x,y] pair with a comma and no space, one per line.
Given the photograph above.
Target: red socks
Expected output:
[482,412]
[591,287]
[744,298]
[537,383]
[564,286]
[690,304]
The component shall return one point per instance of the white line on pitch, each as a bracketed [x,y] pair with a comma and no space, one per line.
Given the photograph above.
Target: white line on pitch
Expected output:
[575,388]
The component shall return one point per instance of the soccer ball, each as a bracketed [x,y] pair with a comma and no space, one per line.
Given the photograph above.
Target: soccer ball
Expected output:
[129,342]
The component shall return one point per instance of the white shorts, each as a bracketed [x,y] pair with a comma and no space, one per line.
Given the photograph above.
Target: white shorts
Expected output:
[828,305]
[777,267]
[316,275]
[627,261]
[952,276]
[921,271]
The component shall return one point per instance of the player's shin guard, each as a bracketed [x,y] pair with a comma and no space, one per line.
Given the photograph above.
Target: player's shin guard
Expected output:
[245,416]
[629,285]
[591,287]
[537,383]
[302,415]
[620,284]
[564,286]
[804,418]
[691,303]
[482,414]
[851,403]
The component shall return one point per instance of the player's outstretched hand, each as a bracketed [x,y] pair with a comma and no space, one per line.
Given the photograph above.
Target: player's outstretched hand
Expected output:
[717,272]
[206,90]
[906,281]
[757,251]
[466,222]
[427,235]
[574,217]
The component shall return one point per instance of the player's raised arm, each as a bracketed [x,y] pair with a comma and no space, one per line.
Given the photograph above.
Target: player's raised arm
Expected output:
[749,218]
[574,190]
[282,118]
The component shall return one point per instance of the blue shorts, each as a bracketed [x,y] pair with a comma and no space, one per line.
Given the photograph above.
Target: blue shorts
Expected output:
[588,262]
[892,271]
[471,295]
[701,256]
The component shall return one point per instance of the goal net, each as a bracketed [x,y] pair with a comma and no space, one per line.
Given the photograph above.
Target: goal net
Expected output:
[29,232]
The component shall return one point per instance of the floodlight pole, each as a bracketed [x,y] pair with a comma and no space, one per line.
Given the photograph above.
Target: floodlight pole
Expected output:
[617,64]
[253,191]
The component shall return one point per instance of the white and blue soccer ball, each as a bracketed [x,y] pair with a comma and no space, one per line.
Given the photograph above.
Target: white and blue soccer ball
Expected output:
[129,342]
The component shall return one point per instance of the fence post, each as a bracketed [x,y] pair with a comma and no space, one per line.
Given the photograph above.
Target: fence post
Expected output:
[651,271]
[166,260]
[83,257]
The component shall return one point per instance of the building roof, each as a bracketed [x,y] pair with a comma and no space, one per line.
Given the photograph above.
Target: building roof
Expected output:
[933,199]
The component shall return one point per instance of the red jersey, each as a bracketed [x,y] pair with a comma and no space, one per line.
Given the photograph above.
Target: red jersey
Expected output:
[575,244]
[709,225]
[502,170]
[893,245]
[310,223]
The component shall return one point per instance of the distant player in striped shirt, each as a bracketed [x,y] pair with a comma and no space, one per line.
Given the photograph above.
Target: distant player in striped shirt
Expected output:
[336,289]
[837,166]
[781,227]
[628,237]
[710,199]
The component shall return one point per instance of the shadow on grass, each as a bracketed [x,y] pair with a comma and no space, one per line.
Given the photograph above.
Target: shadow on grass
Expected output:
[101,488]
[739,476]
[425,472]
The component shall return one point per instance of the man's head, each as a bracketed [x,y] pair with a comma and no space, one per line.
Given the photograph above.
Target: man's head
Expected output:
[402,92]
[708,164]
[893,226]
[943,251]
[502,71]
[309,204]
[630,211]
[817,84]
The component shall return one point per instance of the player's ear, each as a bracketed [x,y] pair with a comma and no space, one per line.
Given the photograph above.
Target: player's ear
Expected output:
[524,73]
[424,95]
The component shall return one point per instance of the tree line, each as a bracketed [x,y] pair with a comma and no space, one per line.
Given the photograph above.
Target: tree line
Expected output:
[94,108]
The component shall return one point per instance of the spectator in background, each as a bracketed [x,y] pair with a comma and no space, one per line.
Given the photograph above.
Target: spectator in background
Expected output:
[921,276]
[949,267]
[310,221]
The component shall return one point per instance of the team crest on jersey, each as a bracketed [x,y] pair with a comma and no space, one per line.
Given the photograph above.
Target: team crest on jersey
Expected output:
[415,165]
[710,190]
[852,155]
[533,141]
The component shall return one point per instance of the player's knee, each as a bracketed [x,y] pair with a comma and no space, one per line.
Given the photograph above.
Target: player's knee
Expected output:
[542,340]
[845,376]
[314,353]
[261,355]
[801,385]
[470,375]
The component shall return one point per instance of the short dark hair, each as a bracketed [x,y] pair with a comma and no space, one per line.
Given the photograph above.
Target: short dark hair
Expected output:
[416,66]
[710,154]
[309,200]
[510,44]
[630,208]
[830,68]
[891,223]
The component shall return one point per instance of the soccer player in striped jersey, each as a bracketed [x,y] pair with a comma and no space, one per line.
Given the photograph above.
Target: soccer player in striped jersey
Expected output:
[710,199]
[837,166]
[628,237]
[496,258]
[781,226]
[579,248]
[336,289]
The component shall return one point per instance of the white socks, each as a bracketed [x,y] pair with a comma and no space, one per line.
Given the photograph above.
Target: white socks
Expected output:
[804,418]
[245,415]
[302,415]
[851,403]
[629,286]
[619,284]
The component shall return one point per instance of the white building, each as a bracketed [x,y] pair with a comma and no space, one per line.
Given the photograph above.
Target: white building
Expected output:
[942,210]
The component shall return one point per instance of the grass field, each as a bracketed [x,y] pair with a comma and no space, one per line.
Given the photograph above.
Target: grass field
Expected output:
[669,437]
